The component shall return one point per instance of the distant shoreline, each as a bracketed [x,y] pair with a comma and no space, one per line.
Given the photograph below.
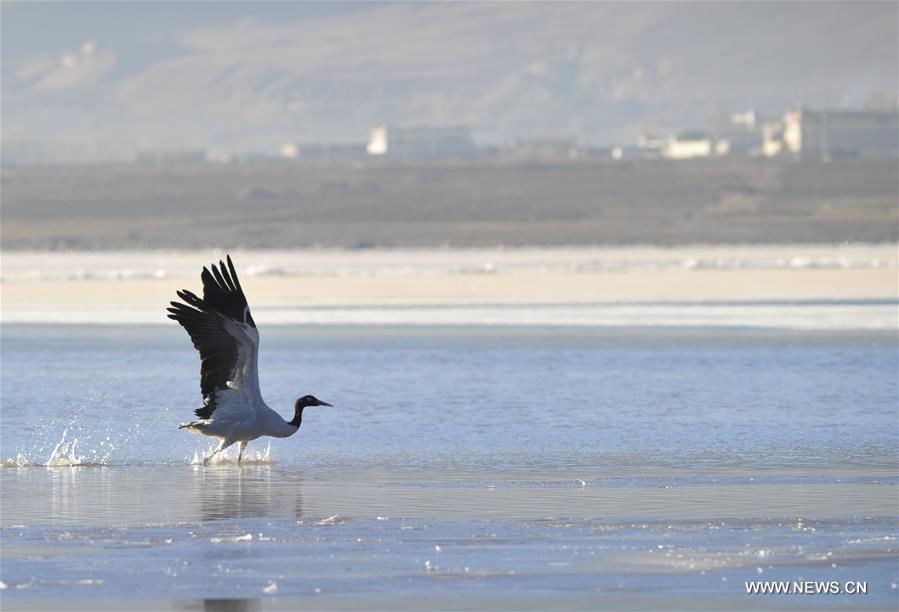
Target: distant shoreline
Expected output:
[784,287]
[365,205]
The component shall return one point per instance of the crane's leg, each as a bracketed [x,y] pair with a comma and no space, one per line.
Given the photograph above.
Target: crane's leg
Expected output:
[240,450]
[222,446]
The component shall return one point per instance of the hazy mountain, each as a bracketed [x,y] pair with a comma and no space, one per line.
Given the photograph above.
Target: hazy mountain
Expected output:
[235,76]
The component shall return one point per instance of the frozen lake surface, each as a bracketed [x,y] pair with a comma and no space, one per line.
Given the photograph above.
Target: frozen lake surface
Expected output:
[461,467]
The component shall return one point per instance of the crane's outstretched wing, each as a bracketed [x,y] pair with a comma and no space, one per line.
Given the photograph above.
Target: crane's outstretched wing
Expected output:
[223,331]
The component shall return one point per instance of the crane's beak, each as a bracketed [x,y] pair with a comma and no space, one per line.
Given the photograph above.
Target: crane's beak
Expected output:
[321,403]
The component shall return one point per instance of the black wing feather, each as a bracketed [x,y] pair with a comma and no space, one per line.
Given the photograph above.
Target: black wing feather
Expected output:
[204,319]
[223,293]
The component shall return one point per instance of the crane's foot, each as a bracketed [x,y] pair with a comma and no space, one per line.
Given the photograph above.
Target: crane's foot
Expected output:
[220,448]
[214,453]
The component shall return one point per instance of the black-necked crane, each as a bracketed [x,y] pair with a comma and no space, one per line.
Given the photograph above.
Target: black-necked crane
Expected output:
[223,331]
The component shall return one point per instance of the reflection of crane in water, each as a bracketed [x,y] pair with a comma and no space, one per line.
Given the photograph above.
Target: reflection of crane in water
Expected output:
[243,604]
[253,492]
[223,331]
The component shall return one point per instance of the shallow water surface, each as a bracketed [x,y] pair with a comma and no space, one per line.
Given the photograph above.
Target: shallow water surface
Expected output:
[461,467]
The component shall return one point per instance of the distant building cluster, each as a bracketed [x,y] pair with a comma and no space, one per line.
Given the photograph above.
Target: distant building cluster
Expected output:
[801,134]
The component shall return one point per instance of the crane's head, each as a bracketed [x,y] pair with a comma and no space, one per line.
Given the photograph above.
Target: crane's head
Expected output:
[309,400]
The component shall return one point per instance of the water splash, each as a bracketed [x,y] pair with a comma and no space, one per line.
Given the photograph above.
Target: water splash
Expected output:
[65,454]
[229,457]
[20,460]
[68,453]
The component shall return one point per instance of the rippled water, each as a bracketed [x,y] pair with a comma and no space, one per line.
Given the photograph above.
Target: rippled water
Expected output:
[457,397]
[536,467]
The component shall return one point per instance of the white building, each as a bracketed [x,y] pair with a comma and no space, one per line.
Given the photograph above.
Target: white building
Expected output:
[688,146]
[421,142]
[772,138]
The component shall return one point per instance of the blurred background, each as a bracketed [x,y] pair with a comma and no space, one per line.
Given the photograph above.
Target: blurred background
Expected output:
[412,153]
[280,125]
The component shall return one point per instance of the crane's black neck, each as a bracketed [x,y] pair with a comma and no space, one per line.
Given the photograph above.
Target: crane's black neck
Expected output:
[297,417]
